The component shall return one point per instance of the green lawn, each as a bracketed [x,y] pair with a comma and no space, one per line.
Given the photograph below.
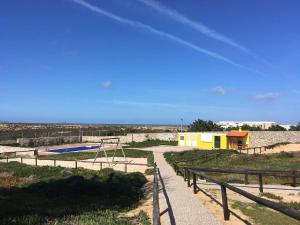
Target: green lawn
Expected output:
[279,161]
[55,195]
[132,153]
[150,143]
[262,215]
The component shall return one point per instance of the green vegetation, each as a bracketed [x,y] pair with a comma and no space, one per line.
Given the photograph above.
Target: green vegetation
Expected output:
[276,128]
[270,195]
[295,128]
[150,143]
[202,125]
[131,153]
[144,218]
[54,195]
[262,215]
[232,160]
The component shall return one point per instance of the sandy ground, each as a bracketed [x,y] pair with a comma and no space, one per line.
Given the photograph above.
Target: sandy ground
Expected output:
[166,148]
[88,164]
[13,149]
[146,203]
[283,148]
[239,218]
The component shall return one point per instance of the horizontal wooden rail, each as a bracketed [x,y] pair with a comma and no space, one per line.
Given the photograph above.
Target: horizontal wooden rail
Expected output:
[156,210]
[270,204]
[276,173]
[294,174]
[83,161]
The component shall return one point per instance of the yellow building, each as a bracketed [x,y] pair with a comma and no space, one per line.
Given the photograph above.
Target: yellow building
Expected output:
[215,140]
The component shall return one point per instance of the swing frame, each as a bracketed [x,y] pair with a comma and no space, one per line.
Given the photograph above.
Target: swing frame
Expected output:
[102,143]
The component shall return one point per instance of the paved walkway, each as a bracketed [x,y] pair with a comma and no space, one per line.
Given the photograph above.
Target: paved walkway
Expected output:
[178,204]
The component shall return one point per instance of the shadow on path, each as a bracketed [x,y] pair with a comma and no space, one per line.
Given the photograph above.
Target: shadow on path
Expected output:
[169,207]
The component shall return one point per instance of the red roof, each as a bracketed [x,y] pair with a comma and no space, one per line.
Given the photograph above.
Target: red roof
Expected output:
[237,134]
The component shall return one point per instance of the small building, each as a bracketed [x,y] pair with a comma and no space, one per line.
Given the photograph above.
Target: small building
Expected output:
[215,140]
[261,124]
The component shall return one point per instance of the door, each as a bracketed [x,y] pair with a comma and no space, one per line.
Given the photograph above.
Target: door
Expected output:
[217,142]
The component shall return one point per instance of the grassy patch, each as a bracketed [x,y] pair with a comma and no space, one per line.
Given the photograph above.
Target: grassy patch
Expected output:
[270,196]
[144,218]
[294,205]
[263,216]
[56,195]
[278,161]
[150,143]
[131,153]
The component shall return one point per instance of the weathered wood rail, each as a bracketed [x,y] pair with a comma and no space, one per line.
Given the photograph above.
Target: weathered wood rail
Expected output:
[156,210]
[293,174]
[193,173]
[101,163]
[255,150]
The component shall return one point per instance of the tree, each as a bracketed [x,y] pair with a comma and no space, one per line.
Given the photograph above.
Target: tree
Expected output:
[276,128]
[251,128]
[202,125]
[295,128]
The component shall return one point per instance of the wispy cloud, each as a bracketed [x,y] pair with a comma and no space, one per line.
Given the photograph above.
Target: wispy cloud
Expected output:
[200,27]
[270,96]
[72,52]
[144,104]
[106,84]
[296,91]
[137,24]
[220,90]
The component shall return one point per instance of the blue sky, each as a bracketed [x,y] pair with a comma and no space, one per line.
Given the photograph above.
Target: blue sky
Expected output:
[146,61]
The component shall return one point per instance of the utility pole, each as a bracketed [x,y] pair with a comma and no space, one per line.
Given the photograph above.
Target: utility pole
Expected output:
[181,124]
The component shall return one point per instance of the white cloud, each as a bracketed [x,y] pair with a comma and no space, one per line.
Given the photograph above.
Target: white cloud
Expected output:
[144,104]
[137,24]
[270,96]
[220,90]
[106,84]
[200,27]
[72,52]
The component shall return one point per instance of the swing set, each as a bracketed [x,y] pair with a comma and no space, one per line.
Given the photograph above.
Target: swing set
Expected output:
[117,143]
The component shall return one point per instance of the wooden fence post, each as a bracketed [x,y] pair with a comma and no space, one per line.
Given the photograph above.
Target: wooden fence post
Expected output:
[21,160]
[246,177]
[54,161]
[294,179]
[261,189]
[125,169]
[100,165]
[225,203]
[6,159]
[194,183]
[76,164]
[35,161]
[188,179]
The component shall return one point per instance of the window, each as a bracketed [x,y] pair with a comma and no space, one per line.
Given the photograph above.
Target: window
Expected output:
[181,138]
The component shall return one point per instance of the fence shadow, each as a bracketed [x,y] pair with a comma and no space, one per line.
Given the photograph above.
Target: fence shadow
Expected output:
[220,204]
[169,207]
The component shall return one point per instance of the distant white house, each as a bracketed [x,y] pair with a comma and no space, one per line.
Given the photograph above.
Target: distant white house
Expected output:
[261,124]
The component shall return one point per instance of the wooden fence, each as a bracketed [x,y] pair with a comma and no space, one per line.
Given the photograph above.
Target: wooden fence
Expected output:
[193,173]
[156,210]
[100,163]
[254,150]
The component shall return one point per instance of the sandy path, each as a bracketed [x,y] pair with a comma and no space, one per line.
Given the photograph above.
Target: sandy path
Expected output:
[179,205]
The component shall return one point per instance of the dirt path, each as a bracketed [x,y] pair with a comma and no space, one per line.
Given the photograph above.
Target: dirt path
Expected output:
[178,205]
